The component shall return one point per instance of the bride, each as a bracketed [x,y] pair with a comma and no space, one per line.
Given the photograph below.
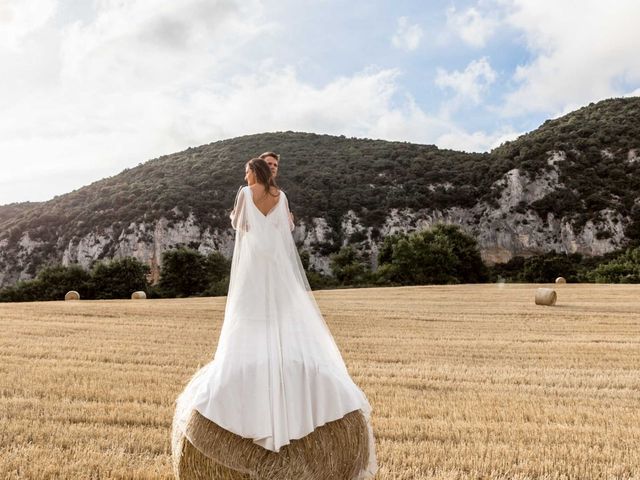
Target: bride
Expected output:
[277,373]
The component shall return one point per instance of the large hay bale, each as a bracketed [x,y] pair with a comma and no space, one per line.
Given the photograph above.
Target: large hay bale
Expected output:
[72,295]
[139,295]
[546,296]
[337,450]
[560,280]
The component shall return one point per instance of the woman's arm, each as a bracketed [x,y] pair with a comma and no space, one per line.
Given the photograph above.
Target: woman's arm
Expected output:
[237,214]
[292,225]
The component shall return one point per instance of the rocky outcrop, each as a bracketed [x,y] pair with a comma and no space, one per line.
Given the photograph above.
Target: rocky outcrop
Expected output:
[147,242]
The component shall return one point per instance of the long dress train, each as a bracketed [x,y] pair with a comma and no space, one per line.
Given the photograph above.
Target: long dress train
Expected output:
[277,373]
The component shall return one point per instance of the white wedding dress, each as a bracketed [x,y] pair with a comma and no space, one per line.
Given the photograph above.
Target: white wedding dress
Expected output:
[277,373]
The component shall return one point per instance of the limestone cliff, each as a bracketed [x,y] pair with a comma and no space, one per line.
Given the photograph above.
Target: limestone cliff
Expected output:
[572,185]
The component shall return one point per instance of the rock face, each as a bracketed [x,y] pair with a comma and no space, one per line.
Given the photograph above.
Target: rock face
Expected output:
[505,231]
[147,242]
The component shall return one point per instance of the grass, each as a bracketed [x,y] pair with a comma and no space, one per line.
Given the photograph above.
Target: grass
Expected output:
[466,382]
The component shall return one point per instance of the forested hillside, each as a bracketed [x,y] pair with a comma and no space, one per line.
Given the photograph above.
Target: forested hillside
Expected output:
[578,172]
[601,169]
[324,176]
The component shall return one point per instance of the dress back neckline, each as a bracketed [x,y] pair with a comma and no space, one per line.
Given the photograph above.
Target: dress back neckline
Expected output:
[265,215]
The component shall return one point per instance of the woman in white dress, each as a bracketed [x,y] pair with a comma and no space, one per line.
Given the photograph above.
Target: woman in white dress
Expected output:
[277,373]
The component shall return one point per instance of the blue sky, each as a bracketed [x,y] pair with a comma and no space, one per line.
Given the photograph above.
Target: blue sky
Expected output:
[90,88]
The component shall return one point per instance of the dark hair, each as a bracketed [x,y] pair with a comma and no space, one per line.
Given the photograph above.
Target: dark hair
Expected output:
[270,154]
[263,174]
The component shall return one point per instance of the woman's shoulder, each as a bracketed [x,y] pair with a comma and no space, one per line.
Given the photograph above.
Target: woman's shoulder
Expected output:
[275,191]
[240,193]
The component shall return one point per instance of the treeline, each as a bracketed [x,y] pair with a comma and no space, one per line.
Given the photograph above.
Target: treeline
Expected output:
[443,254]
[616,267]
[185,272]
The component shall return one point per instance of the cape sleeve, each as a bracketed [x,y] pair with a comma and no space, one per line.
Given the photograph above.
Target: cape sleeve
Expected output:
[238,215]
[289,214]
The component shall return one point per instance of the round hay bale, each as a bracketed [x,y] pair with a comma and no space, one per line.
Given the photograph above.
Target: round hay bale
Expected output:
[139,295]
[338,449]
[72,295]
[560,280]
[546,296]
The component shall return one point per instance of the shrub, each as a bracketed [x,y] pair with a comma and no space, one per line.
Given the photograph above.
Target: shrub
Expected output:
[118,278]
[623,269]
[348,266]
[184,272]
[442,254]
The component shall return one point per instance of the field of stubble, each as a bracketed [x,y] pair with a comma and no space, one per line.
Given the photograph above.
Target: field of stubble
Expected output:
[466,382]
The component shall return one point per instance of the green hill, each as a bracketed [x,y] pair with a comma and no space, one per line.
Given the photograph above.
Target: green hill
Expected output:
[323,175]
[597,163]
[602,166]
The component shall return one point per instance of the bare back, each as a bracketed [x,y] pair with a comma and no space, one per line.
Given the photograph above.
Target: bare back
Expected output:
[264,201]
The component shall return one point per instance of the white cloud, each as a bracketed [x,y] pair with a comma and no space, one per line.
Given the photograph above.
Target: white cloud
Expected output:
[470,84]
[145,44]
[140,79]
[407,36]
[129,130]
[592,57]
[279,100]
[110,92]
[19,18]
[478,141]
[472,26]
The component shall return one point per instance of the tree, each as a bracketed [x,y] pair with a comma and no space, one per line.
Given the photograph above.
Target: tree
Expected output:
[217,270]
[471,268]
[51,283]
[385,253]
[442,254]
[305,259]
[57,280]
[424,257]
[184,272]
[348,266]
[316,279]
[546,268]
[623,269]
[22,291]
[118,278]
[509,271]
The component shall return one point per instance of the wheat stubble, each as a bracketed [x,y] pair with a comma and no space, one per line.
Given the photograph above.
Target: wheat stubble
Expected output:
[466,382]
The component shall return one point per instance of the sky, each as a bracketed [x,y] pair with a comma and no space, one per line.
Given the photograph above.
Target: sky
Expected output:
[91,87]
